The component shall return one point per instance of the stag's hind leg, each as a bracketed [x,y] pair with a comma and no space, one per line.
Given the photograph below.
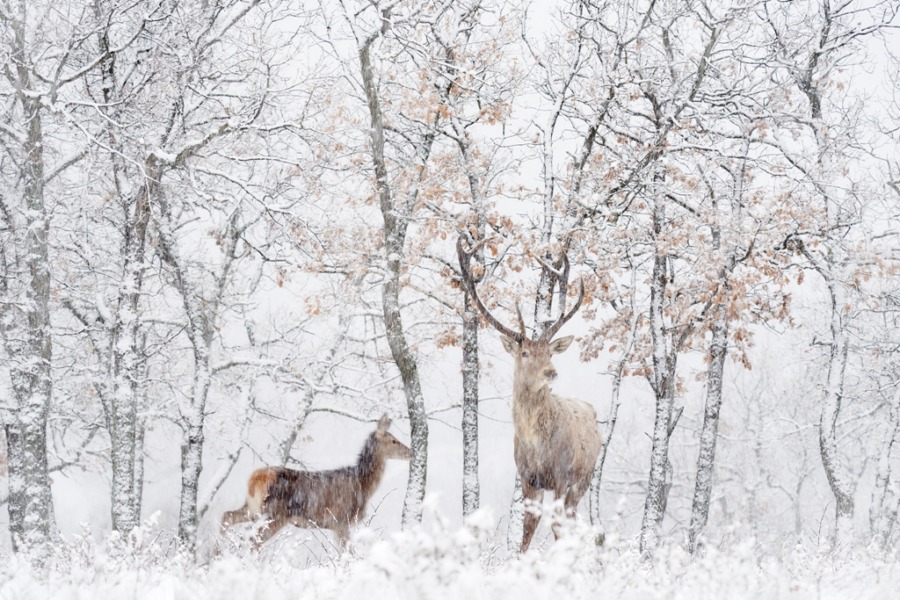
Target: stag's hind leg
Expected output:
[532,497]
[570,496]
[574,495]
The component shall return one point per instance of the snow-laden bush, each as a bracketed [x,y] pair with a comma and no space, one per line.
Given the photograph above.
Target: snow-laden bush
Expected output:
[439,561]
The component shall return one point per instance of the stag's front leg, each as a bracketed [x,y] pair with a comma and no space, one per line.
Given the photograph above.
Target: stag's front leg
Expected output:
[532,498]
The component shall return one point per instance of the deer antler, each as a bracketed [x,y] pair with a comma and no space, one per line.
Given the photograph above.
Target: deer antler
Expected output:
[465,257]
[561,277]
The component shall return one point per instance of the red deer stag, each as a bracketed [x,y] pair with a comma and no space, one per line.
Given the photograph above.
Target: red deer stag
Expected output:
[334,499]
[556,441]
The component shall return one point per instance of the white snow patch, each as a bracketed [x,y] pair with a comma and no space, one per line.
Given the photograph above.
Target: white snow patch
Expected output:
[436,562]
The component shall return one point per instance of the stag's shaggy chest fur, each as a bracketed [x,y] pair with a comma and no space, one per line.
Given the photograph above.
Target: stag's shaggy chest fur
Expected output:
[556,441]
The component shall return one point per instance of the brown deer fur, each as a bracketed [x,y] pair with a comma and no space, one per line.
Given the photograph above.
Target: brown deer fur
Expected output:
[334,499]
[557,440]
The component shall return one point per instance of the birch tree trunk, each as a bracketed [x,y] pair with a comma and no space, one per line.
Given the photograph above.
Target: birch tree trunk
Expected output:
[615,402]
[123,389]
[664,362]
[395,227]
[718,352]
[470,373]
[841,488]
[202,313]
[886,495]
[836,31]
[25,313]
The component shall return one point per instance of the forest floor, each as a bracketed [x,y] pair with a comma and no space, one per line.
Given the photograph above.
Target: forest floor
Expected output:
[437,562]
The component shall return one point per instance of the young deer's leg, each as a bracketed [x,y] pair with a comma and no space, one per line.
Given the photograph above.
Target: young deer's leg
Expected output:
[233,517]
[532,513]
[267,531]
[342,531]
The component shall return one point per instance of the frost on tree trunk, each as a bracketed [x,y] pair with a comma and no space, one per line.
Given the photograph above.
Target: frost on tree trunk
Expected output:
[395,226]
[470,371]
[200,331]
[886,495]
[201,313]
[128,367]
[609,430]
[841,488]
[418,424]
[664,391]
[706,460]
[27,339]
[123,389]
[191,467]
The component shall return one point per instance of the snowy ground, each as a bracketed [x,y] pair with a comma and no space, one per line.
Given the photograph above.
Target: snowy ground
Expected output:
[438,563]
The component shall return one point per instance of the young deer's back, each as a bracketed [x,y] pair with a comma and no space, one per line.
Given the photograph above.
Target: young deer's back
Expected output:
[324,498]
[334,499]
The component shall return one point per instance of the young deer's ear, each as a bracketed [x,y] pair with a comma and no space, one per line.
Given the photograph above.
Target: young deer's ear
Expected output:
[509,344]
[562,344]
[383,423]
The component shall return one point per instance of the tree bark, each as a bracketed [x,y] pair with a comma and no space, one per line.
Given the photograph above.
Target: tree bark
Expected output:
[192,453]
[126,364]
[886,495]
[708,435]
[27,338]
[470,373]
[664,363]
[831,410]
[395,227]
[201,313]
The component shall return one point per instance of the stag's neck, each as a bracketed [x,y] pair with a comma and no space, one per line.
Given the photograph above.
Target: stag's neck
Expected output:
[527,397]
[530,408]
[370,466]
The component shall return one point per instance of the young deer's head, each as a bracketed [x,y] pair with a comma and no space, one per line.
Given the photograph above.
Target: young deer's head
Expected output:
[534,370]
[386,444]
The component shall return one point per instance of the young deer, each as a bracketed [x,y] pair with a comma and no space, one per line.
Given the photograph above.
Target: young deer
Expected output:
[556,441]
[334,499]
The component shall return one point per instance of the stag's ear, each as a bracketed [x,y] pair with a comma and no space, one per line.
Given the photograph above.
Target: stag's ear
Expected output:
[509,344]
[383,423]
[562,344]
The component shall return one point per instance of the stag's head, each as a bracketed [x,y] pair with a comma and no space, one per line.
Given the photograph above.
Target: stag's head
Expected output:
[534,370]
[386,444]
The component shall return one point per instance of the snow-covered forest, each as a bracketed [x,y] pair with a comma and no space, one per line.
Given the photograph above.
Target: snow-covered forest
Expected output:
[234,233]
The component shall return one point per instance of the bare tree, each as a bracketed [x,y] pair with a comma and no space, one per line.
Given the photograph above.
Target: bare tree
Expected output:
[471,87]
[396,211]
[811,56]
[108,308]
[36,153]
